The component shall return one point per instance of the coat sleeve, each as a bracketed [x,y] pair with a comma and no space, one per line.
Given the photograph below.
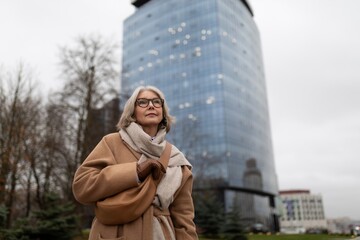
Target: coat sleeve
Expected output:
[99,176]
[182,209]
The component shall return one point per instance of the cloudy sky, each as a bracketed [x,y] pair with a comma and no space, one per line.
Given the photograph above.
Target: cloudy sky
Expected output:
[311,51]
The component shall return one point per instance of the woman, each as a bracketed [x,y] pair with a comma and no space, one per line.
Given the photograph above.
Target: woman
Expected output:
[140,185]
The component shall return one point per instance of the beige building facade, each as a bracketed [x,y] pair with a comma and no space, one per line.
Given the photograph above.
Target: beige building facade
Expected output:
[301,212]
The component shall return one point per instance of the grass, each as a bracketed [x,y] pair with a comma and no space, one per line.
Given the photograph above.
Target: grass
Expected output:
[272,237]
[293,237]
[85,235]
[298,237]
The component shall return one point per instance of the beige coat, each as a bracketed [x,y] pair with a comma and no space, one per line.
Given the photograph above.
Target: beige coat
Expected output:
[111,168]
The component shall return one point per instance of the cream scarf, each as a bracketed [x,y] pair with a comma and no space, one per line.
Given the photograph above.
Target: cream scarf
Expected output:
[141,142]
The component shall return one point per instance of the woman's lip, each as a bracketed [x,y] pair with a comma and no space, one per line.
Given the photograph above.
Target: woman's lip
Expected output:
[151,114]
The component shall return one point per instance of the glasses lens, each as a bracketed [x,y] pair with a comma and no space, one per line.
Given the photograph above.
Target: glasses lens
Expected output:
[143,102]
[157,102]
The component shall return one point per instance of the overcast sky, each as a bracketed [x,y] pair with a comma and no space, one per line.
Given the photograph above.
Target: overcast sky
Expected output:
[311,51]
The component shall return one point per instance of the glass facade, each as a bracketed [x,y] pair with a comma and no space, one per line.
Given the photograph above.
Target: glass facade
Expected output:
[206,57]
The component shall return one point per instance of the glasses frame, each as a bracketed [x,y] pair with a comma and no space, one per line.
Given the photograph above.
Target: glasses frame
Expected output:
[148,102]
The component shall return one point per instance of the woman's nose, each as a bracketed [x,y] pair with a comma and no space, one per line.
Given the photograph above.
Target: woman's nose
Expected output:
[151,105]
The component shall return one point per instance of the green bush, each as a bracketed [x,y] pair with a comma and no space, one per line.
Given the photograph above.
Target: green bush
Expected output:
[209,214]
[232,228]
[56,221]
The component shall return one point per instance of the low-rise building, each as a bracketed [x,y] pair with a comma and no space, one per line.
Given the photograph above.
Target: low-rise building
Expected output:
[302,211]
[344,225]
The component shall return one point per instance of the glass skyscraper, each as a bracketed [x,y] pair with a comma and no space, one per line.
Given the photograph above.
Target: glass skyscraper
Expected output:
[205,55]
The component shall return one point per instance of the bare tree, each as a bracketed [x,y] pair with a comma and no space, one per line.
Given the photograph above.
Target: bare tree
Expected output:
[42,155]
[90,72]
[18,110]
[41,146]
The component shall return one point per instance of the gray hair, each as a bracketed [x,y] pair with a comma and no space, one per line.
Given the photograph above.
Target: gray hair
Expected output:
[127,116]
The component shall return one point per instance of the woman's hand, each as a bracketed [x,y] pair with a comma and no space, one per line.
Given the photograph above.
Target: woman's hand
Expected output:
[150,166]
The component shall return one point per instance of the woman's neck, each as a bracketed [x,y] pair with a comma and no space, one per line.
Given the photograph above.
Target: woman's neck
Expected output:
[151,131]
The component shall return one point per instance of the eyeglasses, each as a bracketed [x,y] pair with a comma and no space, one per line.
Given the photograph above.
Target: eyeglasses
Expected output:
[144,102]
